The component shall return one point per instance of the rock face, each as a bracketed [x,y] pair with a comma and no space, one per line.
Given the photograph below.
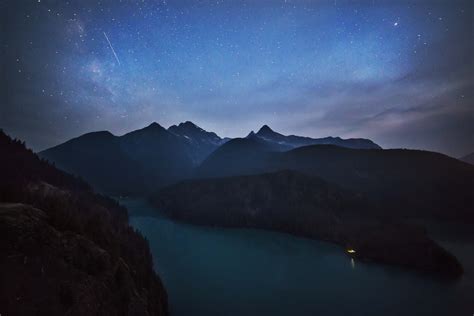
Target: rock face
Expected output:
[306,206]
[65,250]
[51,272]
[200,142]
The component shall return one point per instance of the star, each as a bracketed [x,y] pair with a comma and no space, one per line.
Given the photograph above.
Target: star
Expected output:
[264,58]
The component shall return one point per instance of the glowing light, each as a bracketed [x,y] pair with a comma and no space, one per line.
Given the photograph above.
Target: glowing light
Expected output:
[351,251]
[112,48]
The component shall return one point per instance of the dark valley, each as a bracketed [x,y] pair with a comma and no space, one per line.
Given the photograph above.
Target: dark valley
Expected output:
[350,192]
[377,205]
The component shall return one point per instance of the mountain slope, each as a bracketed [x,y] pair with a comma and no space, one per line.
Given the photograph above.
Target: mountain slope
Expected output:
[306,206]
[292,141]
[99,158]
[137,162]
[66,250]
[162,154]
[143,160]
[200,142]
[237,156]
[409,182]
[468,158]
[130,164]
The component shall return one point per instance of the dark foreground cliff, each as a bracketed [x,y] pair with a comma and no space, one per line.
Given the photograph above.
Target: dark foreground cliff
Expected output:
[304,205]
[65,250]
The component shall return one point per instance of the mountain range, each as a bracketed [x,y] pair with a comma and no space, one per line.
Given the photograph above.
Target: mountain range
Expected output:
[265,133]
[348,191]
[408,182]
[364,199]
[137,161]
[152,157]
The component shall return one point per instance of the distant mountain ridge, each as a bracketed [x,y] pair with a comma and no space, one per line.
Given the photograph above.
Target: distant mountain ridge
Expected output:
[146,159]
[293,141]
[138,161]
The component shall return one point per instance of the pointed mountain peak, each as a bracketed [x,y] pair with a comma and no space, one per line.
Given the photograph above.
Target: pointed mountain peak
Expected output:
[186,127]
[188,124]
[154,125]
[265,129]
[190,130]
[251,134]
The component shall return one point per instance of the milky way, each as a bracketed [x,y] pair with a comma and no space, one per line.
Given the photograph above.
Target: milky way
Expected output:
[397,72]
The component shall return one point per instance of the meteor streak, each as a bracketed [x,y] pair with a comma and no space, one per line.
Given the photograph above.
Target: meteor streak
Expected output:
[112,48]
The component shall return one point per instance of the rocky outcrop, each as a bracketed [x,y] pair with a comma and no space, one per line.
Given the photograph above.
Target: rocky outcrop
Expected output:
[46,271]
[65,250]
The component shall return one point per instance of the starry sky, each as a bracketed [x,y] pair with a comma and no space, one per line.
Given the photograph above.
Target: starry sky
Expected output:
[397,72]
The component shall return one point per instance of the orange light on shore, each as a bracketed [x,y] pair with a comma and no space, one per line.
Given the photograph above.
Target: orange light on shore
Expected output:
[351,251]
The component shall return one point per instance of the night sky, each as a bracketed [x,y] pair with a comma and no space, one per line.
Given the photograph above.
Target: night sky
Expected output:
[397,72]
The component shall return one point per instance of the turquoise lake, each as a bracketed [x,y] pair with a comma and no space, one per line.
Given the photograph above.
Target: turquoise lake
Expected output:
[222,271]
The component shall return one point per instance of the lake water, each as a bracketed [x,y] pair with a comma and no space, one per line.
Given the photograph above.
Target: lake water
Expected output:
[220,271]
